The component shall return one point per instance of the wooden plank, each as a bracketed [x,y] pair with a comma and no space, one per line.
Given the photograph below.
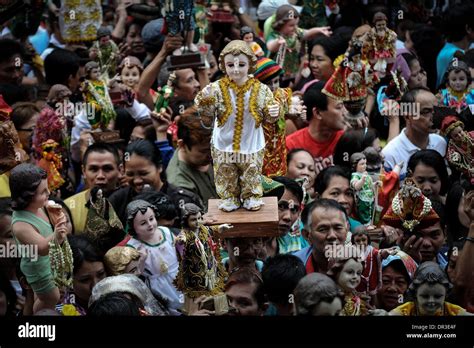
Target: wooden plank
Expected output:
[260,223]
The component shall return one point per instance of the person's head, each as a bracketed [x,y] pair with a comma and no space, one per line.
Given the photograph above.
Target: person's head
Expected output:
[361,237]
[6,236]
[102,167]
[429,288]
[458,22]
[243,251]
[133,38]
[346,272]
[141,219]
[428,169]
[397,273]
[456,219]
[7,296]
[143,130]
[317,295]
[289,205]
[458,76]
[166,211]
[268,72]
[237,61]
[418,104]
[355,140]
[358,162]
[130,70]
[334,183]
[29,187]
[280,275]
[325,111]
[11,62]
[24,116]
[115,304]
[88,268]
[194,139]
[417,77]
[245,293]
[325,223]
[186,87]
[323,51]
[286,20]
[143,165]
[62,67]
[123,259]
[301,166]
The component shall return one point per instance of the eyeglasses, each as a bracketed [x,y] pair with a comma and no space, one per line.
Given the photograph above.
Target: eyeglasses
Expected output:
[285,205]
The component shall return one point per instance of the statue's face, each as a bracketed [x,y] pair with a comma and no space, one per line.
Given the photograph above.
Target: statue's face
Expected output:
[362,166]
[194,221]
[94,74]
[237,68]
[430,298]
[380,26]
[458,80]
[145,224]
[349,277]
[104,40]
[456,134]
[130,76]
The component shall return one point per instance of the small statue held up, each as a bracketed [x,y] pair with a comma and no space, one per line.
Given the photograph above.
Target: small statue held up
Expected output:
[105,52]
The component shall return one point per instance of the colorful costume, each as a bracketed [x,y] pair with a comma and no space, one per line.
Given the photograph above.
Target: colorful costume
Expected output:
[459,101]
[354,305]
[288,56]
[409,309]
[365,197]
[52,164]
[79,20]
[238,141]
[96,93]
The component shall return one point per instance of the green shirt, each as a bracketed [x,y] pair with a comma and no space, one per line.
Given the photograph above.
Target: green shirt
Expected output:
[180,174]
[34,270]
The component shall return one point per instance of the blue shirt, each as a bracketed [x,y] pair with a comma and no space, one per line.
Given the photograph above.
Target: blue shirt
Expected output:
[444,58]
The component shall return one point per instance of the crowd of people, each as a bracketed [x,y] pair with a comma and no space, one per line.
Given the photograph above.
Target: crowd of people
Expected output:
[120,120]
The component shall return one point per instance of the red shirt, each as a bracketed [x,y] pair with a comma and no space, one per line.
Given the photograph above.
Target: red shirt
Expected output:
[322,152]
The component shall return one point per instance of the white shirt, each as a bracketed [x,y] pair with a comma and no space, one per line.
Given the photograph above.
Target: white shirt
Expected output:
[401,148]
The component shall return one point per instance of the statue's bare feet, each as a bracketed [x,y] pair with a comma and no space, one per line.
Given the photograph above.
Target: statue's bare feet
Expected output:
[229,204]
[253,203]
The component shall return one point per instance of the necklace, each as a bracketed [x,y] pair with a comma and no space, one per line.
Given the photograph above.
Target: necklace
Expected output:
[61,263]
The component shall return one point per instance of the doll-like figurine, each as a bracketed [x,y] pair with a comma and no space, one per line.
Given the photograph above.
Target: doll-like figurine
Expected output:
[51,162]
[123,86]
[240,104]
[429,290]
[124,259]
[248,35]
[347,272]
[460,152]
[379,46]
[31,226]
[161,263]
[105,51]
[458,93]
[201,272]
[362,183]
[165,94]
[179,18]
[370,277]
[96,93]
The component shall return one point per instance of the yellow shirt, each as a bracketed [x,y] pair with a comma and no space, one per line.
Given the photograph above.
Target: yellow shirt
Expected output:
[5,186]
[409,309]
[77,205]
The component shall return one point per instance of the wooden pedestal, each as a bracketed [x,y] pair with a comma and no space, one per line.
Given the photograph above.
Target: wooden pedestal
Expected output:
[187,60]
[260,223]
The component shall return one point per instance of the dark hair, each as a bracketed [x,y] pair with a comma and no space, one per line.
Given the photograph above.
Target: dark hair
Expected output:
[469,58]
[284,14]
[333,46]
[353,140]
[10,48]
[315,98]
[291,185]
[115,304]
[323,203]
[291,153]
[455,230]
[146,149]
[410,96]
[313,289]
[321,182]
[83,250]
[22,113]
[6,206]
[455,21]
[191,130]
[10,294]
[165,208]
[440,210]
[361,231]
[429,272]
[24,180]
[247,275]
[280,275]
[101,148]
[59,65]
[398,266]
[433,159]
